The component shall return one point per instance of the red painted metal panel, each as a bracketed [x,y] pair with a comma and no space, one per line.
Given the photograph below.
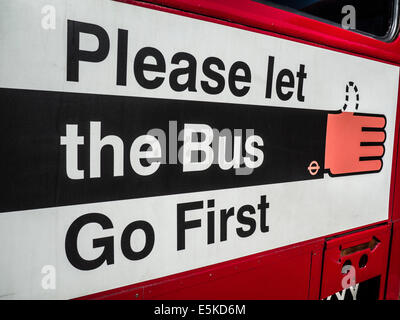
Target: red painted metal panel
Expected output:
[368,261]
[316,273]
[394,205]
[393,279]
[286,273]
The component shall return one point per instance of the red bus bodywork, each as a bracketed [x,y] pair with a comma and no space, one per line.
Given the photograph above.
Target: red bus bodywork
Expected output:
[304,270]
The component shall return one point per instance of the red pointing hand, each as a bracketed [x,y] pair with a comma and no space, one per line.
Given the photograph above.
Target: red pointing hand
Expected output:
[354,143]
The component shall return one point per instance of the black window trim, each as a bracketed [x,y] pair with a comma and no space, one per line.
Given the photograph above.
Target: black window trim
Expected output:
[389,37]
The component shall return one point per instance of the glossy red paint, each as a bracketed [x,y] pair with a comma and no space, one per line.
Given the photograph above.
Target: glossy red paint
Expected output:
[393,274]
[393,279]
[292,272]
[369,246]
[394,201]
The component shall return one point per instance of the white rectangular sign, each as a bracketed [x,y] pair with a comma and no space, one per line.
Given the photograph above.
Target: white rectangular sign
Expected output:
[296,143]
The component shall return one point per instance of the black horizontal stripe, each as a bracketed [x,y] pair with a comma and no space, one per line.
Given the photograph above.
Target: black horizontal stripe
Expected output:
[33,161]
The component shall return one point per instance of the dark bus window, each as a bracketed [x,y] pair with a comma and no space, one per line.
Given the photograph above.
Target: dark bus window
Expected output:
[376,17]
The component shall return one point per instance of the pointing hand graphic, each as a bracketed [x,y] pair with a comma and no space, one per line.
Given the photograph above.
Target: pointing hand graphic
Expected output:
[354,143]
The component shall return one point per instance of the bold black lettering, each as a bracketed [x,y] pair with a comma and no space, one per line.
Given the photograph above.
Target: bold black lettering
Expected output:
[246,220]
[213,75]
[190,71]
[225,214]
[122,55]
[210,222]
[71,242]
[139,66]
[263,206]
[280,83]
[126,240]
[270,75]
[182,224]
[301,75]
[234,77]
[75,54]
